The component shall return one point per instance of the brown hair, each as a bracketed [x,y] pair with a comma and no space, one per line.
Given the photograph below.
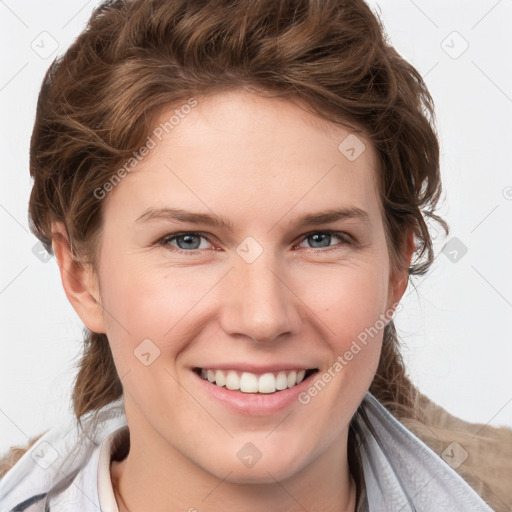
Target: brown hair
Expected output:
[98,103]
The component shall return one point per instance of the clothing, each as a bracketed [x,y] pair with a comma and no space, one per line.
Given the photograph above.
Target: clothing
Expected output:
[401,472]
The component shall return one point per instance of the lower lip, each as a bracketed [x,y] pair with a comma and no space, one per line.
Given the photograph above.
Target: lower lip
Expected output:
[255,404]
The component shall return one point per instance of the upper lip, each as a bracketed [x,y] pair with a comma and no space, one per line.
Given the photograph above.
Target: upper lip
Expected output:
[254,368]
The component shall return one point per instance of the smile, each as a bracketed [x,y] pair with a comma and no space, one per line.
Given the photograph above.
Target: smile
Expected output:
[247,382]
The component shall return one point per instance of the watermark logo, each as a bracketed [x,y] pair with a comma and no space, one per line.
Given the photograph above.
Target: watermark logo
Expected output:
[147,352]
[40,252]
[455,249]
[249,249]
[249,454]
[151,142]
[454,45]
[44,454]
[507,193]
[454,454]
[44,45]
[344,359]
[352,147]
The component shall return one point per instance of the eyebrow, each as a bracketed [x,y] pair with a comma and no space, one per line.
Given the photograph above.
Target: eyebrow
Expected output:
[323,217]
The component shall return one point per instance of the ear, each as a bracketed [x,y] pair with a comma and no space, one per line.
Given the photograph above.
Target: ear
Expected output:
[79,281]
[400,278]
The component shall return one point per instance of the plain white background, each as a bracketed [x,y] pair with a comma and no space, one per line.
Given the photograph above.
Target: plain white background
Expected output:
[455,325]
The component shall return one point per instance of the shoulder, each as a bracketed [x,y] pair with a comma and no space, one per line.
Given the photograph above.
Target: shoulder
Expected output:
[48,471]
[14,454]
[480,453]
[60,466]
[8,460]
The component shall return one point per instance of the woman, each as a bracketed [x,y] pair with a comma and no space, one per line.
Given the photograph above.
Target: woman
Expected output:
[236,194]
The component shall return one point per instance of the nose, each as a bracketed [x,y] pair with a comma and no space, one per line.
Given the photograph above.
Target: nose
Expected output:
[258,302]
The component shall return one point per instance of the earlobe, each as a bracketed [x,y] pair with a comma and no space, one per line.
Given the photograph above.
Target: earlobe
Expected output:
[78,280]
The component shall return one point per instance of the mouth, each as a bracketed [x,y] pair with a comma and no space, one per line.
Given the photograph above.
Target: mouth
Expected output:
[253,383]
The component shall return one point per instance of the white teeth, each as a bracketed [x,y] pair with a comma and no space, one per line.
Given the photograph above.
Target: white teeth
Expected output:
[267,383]
[281,381]
[220,378]
[249,382]
[232,380]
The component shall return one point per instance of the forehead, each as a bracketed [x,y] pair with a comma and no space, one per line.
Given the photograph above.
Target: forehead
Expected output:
[253,153]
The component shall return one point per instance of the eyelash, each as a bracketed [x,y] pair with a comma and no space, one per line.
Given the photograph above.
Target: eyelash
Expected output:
[345,237]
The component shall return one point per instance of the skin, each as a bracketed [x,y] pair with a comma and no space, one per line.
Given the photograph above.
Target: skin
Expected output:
[261,163]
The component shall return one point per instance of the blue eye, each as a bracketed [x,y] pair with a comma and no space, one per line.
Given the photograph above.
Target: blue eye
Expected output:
[324,237]
[189,242]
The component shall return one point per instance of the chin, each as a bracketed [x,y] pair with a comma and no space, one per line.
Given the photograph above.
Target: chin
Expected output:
[266,470]
[267,474]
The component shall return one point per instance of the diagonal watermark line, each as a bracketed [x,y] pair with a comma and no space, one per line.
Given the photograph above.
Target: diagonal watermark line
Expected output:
[300,300]
[488,282]
[300,199]
[492,211]
[478,431]
[192,307]
[425,74]
[424,13]
[16,425]
[486,14]
[286,491]
[492,81]
[84,493]
[76,14]
[12,280]
[125,374]
[200,404]
[14,76]
[3,3]
[216,487]
[115,319]
[14,218]
[280,423]
[71,477]
[414,286]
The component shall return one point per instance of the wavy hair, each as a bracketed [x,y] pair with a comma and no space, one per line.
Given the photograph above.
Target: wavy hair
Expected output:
[99,101]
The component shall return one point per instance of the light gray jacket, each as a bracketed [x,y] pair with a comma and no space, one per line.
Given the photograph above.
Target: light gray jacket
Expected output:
[402,474]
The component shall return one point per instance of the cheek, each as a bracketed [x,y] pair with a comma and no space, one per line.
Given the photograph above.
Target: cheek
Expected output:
[348,299]
[352,309]
[143,301]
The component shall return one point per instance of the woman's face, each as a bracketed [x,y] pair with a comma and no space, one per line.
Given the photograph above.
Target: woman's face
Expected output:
[268,292]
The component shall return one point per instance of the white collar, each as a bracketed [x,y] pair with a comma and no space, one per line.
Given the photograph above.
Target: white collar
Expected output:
[106,496]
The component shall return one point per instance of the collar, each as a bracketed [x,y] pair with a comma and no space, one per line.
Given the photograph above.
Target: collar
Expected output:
[401,473]
[109,446]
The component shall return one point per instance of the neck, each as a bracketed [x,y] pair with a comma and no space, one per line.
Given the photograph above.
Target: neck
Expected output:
[320,486]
